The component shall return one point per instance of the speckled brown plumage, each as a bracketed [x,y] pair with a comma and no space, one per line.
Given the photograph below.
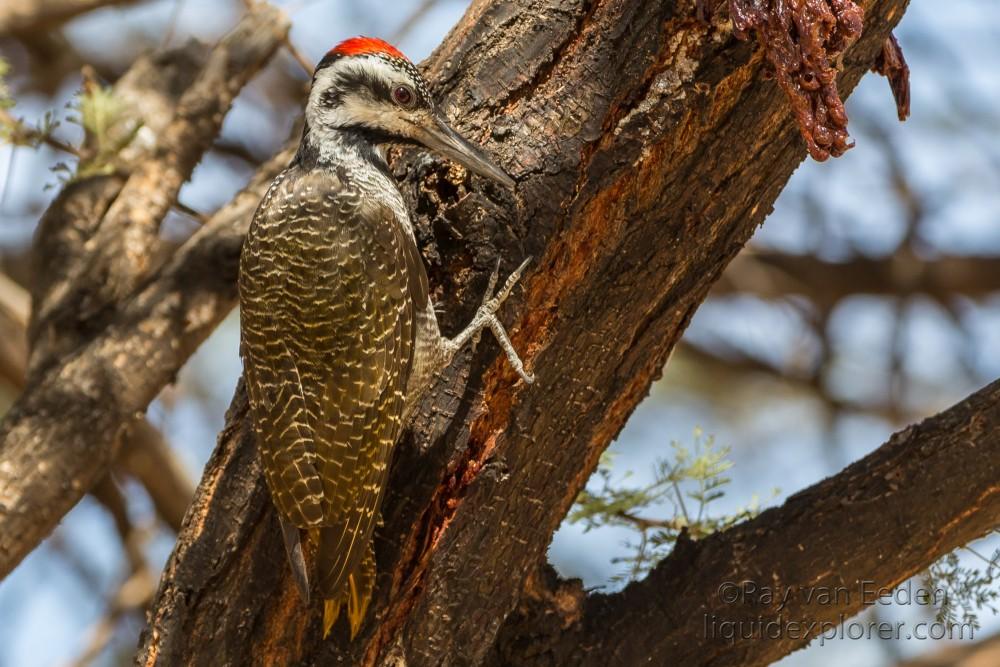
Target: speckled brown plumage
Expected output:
[339,337]
[329,280]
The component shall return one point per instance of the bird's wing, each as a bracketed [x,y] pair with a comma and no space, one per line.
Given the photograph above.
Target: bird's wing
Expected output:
[326,293]
[363,406]
[273,380]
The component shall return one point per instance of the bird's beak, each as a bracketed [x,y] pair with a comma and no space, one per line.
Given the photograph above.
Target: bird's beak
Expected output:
[438,136]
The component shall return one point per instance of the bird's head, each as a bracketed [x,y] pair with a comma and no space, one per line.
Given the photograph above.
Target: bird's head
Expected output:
[368,86]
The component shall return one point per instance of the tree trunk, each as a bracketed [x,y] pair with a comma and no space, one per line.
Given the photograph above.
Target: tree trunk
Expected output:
[647,148]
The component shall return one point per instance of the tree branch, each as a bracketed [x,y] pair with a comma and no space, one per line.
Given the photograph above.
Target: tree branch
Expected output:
[27,16]
[119,252]
[130,226]
[629,127]
[878,522]
[776,275]
[150,91]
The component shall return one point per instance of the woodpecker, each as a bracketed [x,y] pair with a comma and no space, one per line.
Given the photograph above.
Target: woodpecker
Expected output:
[338,334]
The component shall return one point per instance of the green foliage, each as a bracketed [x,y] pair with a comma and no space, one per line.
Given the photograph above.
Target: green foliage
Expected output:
[966,590]
[108,125]
[689,483]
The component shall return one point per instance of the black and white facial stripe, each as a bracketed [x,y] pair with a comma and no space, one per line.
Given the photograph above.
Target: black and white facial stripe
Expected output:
[374,92]
[374,98]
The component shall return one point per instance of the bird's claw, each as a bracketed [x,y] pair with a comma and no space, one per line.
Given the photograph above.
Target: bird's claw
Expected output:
[487,314]
[486,318]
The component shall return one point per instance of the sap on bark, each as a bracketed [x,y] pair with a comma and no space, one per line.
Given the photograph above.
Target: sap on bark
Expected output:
[804,42]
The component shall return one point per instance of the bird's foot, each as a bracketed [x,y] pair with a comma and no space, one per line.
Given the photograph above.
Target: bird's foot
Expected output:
[486,318]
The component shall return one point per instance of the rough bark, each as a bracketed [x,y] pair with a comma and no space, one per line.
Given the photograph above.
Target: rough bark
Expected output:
[646,149]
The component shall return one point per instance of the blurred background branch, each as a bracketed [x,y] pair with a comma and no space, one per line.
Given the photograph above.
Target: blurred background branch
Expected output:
[144,454]
[28,16]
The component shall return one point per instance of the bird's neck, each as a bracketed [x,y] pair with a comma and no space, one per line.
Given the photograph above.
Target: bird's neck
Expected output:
[350,148]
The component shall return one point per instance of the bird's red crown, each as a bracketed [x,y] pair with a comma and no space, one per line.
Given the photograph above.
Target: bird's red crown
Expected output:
[364,46]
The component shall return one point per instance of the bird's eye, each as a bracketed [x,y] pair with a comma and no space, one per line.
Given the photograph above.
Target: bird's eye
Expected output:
[403,96]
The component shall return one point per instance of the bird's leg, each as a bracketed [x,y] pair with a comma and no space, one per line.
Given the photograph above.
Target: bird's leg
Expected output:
[486,318]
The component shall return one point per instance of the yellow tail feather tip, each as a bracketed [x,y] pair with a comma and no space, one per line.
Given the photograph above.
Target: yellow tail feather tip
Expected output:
[357,605]
[356,595]
[331,610]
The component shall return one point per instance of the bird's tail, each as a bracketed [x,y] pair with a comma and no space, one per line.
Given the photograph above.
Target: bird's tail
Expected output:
[355,593]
